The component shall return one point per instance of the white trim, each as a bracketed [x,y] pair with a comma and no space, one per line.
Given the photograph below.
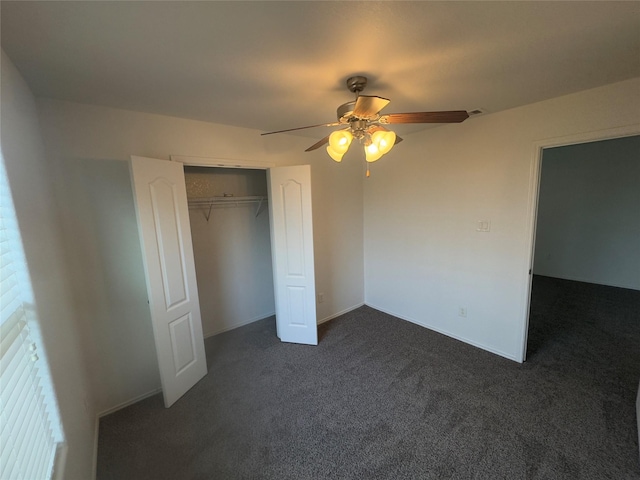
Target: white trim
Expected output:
[342,312]
[262,317]
[448,334]
[238,325]
[96,437]
[588,137]
[221,162]
[256,319]
[127,403]
[109,411]
[587,280]
[532,208]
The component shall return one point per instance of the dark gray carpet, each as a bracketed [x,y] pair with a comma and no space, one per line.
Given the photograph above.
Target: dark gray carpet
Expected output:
[380,398]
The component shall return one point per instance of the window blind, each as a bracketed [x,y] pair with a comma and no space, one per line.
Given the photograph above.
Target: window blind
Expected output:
[30,429]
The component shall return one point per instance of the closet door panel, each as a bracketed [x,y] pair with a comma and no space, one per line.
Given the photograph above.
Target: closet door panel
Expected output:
[165,235]
[292,253]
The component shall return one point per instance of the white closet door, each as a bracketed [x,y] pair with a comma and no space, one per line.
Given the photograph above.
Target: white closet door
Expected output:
[292,253]
[163,221]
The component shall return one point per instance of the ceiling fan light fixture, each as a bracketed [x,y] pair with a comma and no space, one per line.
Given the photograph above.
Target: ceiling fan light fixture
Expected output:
[384,139]
[340,140]
[334,155]
[372,152]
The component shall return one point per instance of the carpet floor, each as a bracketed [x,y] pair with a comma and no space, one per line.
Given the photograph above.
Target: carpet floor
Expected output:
[381,398]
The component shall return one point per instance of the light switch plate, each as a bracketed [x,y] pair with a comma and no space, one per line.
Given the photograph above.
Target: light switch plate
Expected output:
[483,226]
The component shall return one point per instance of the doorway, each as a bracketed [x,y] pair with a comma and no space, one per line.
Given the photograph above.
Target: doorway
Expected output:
[586,240]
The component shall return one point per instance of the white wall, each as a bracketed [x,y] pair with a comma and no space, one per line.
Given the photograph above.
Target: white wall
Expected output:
[109,290]
[89,147]
[232,249]
[423,256]
[588,226]
[29,178]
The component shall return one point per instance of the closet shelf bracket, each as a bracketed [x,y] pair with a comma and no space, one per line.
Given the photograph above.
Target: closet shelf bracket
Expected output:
[259,206]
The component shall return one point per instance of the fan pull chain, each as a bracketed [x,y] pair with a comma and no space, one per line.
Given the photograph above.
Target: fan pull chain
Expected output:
[368,172]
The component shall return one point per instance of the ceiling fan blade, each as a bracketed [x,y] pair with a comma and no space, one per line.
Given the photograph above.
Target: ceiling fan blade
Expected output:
[335,124]
[318,144]
[369,106]
[452,116]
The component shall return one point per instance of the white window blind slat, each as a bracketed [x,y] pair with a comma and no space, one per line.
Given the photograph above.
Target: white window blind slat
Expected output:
[16,403]
[28,459]
[7,454]
[15,375]
[13,472]
[10,360]
[47,458]
[20,437]
[11,301]
[37,456]
[12,403]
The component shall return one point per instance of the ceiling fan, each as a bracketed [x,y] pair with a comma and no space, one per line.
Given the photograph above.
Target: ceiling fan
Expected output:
[362,120]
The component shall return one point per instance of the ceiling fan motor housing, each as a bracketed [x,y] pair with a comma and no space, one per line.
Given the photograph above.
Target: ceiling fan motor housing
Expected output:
[345,111]
[357,83]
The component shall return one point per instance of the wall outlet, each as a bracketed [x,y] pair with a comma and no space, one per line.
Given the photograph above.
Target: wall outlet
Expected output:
[320,297]
[462,311]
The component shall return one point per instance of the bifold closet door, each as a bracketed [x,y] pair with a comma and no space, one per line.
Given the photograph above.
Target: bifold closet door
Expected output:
[292,253]
[163,222]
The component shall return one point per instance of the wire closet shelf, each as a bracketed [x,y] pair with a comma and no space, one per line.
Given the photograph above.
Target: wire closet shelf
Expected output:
[208,203]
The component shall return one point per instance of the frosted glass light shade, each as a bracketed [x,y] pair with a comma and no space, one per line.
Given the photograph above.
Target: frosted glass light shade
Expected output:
[339,141]
[372,153]
[333,154]
[384,140]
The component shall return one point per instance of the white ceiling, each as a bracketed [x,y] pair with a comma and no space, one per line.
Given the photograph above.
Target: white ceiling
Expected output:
[277,65]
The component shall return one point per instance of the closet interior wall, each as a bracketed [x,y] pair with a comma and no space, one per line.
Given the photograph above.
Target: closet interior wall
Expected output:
[231,246]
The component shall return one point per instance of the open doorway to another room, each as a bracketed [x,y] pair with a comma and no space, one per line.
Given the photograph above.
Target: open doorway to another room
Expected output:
[587,245]
[585,291]
[586,269]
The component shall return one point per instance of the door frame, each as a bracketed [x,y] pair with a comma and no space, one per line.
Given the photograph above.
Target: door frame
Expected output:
[532,209]
[211,162]
[221,162]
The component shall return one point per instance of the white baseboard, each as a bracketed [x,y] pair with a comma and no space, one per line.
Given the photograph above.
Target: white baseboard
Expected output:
[589,280]
[108,411]
[125,404]
[342,312]
[241,324]
[448,334]
[262,317]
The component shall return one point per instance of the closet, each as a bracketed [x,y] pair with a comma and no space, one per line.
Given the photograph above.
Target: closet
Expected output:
[251,261]
[229,217]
